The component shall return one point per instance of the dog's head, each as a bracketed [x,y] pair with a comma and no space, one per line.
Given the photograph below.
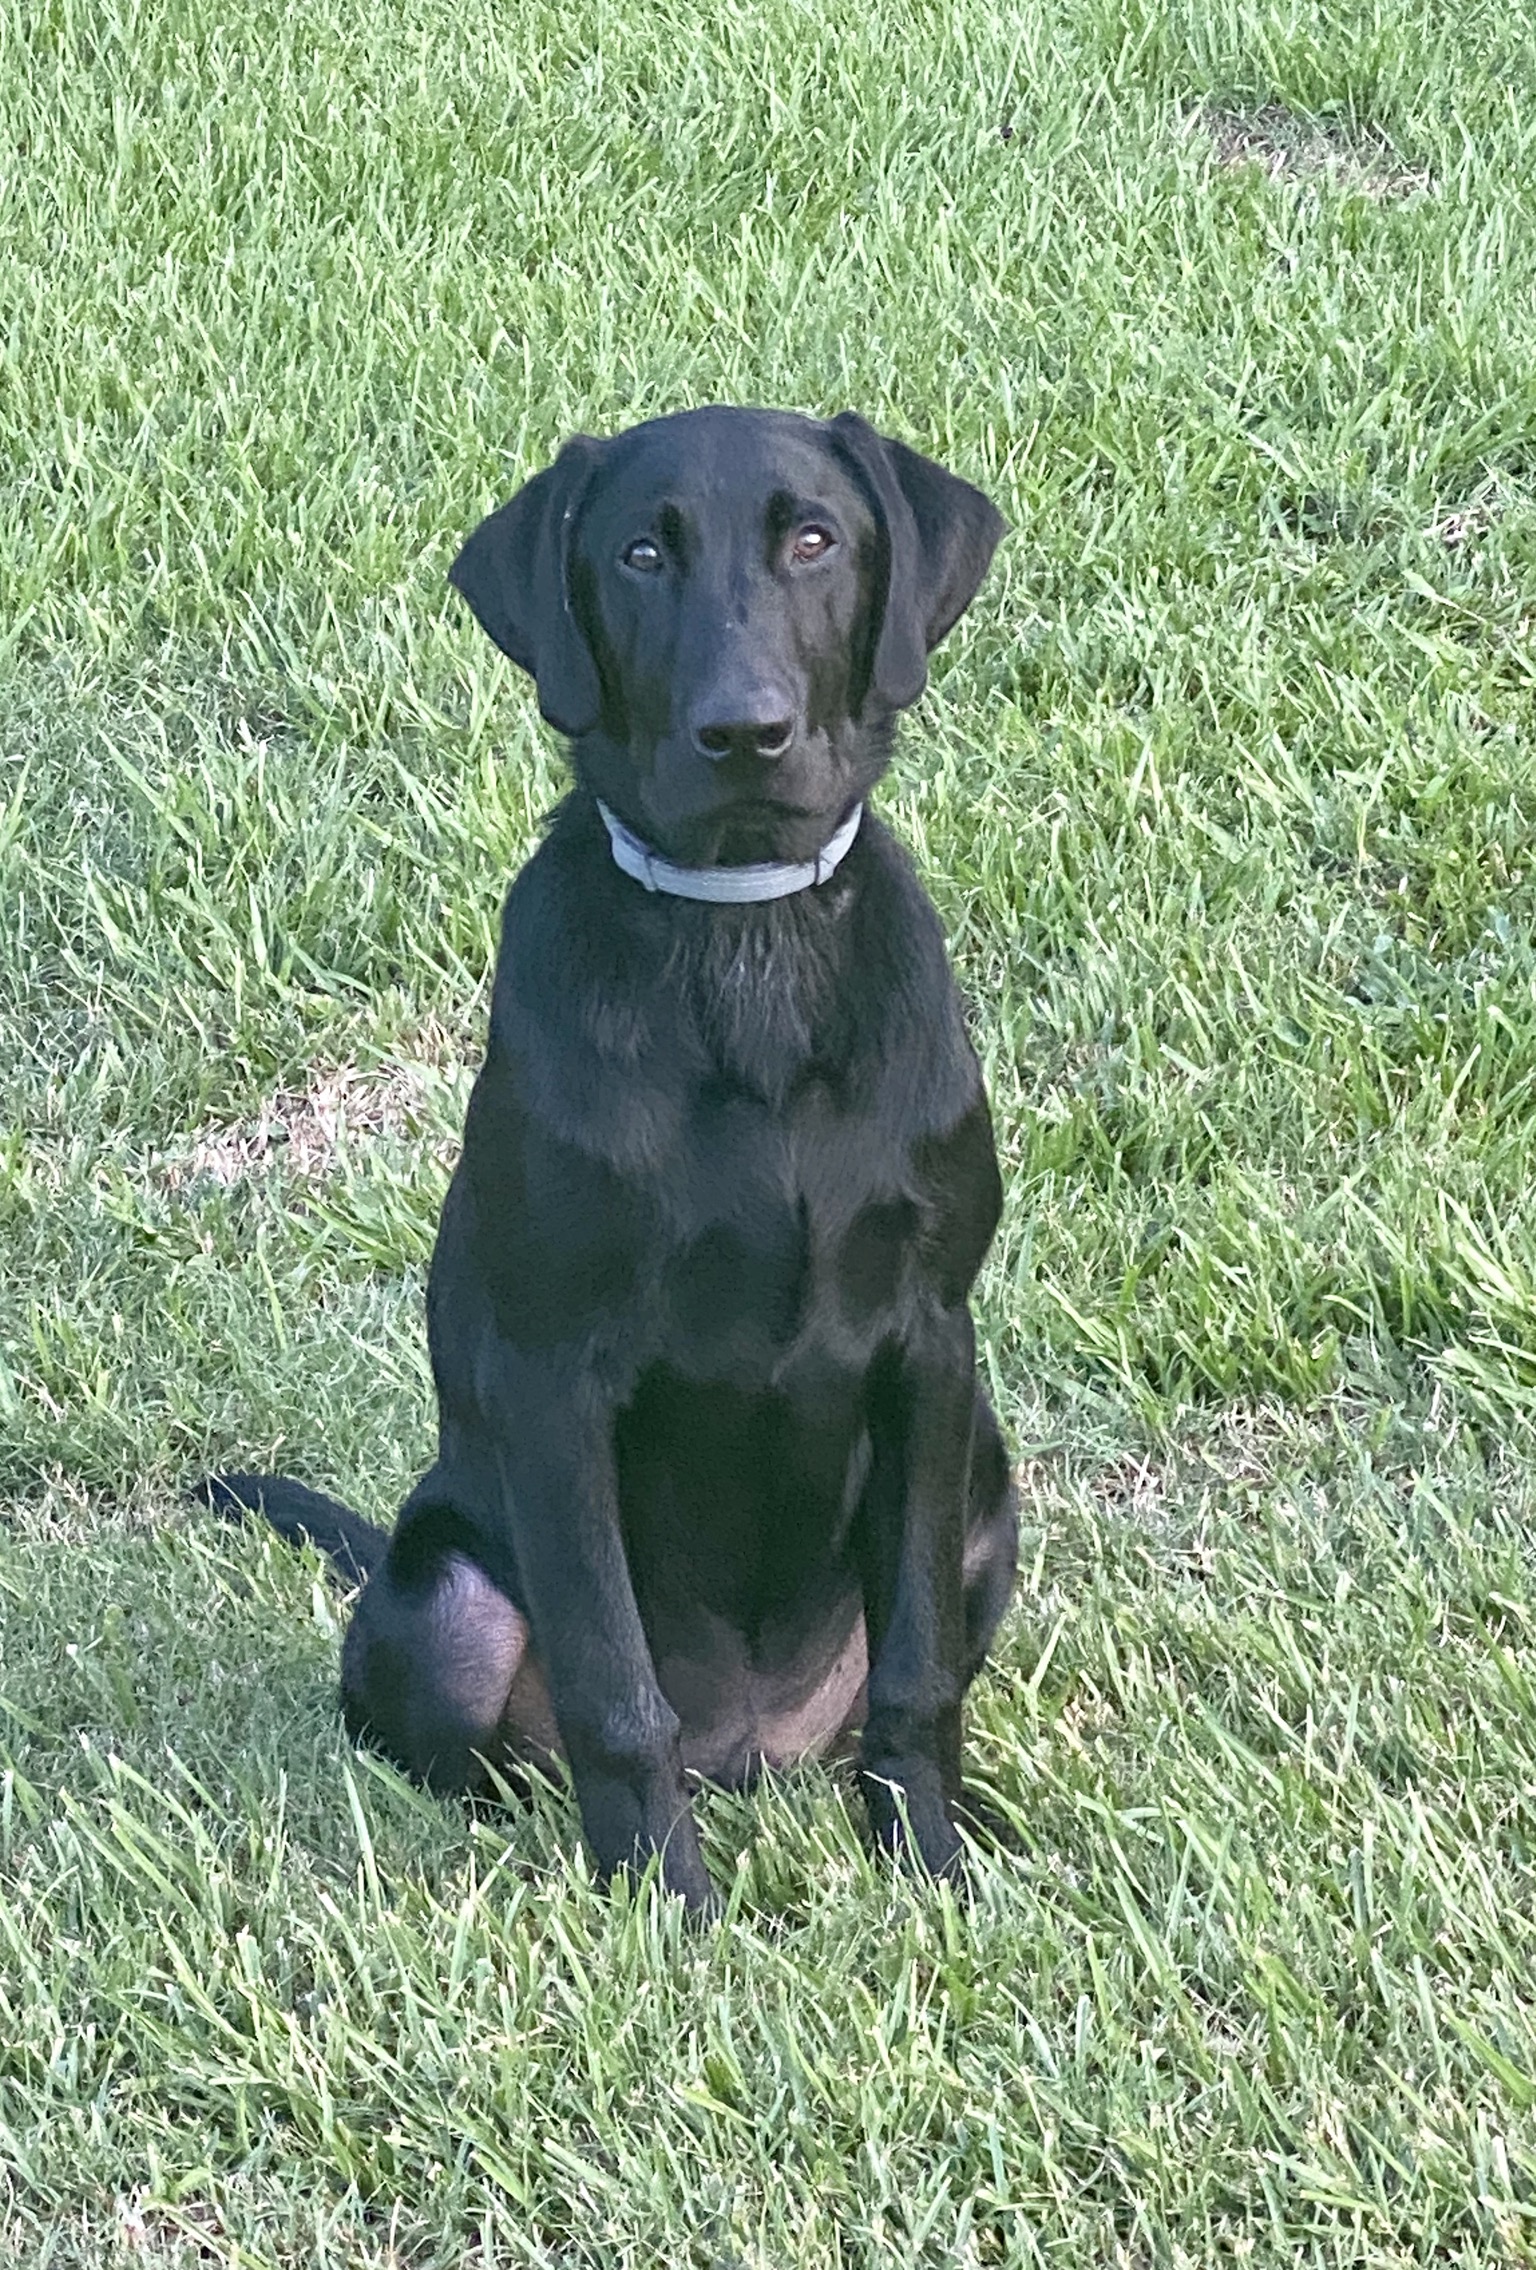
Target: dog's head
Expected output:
[724,610]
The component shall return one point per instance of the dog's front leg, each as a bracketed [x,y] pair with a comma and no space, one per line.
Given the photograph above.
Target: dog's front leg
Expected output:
[619,1733]
[912,1533]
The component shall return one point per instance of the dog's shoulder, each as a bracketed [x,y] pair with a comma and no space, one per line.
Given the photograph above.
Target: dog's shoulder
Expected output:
[583,1033]
[570,942]
[905,994]
[895,911]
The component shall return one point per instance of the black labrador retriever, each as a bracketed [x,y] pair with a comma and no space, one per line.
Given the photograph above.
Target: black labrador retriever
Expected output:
[716,1481]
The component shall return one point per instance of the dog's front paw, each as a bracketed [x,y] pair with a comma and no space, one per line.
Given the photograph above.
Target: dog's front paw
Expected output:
[683,1872]
[911,1818]
[627,1829]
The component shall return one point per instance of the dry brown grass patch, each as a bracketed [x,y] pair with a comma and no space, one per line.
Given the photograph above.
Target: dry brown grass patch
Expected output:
[1288,147]
[1469,522]
[304,1131]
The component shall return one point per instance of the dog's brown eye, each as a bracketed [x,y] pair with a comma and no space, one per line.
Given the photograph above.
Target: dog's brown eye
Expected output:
[813,543]
[643,555]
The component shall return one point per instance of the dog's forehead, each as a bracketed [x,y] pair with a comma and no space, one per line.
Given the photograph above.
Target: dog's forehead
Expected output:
[723,466]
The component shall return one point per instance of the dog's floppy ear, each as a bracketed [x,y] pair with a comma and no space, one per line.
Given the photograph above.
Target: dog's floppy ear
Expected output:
[937,534]
[515,573]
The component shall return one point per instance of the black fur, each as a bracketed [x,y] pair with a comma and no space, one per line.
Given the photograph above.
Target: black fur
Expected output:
[711,1433]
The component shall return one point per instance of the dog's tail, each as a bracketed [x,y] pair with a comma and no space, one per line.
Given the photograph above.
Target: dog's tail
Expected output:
[303,1516]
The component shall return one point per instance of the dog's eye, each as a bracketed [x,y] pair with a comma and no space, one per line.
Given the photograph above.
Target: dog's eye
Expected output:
[643,555]
[812,543]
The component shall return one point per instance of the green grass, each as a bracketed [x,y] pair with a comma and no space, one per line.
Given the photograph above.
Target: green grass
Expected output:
[1226,791]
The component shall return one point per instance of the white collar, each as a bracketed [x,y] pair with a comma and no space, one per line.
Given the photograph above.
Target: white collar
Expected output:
[725,886]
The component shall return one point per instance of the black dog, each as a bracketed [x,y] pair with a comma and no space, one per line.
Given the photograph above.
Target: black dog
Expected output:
[716,1482]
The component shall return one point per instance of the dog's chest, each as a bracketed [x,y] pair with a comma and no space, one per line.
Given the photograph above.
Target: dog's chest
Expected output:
[787,1228]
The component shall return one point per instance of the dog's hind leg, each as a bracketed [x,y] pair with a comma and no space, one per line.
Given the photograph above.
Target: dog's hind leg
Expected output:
[437,1670]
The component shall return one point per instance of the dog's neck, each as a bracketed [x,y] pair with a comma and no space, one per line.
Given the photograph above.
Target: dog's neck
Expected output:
[726,886]
[758,988]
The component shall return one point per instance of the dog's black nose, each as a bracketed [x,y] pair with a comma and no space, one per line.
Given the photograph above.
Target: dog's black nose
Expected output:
[758,729]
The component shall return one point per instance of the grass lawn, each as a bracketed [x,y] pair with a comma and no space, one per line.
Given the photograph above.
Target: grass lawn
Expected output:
[1226,791]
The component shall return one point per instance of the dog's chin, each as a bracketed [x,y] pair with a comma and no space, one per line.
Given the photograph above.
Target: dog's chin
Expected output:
[753,833]
[718,822]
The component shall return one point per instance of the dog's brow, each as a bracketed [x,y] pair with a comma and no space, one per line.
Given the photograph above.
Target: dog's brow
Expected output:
[783,509]
[674,530]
